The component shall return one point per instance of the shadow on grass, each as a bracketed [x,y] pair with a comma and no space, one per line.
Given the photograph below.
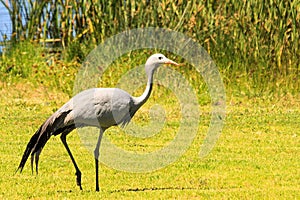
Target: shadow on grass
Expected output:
[134,189]
[152,189]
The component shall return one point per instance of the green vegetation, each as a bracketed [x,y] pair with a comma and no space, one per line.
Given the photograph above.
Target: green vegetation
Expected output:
[255,44]
[257,155]
[256,48]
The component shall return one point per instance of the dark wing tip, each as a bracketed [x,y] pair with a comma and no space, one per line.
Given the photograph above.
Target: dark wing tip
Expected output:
[19,169]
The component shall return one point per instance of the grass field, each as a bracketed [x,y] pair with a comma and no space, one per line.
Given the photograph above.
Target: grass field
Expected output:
[255,46]
[256,156]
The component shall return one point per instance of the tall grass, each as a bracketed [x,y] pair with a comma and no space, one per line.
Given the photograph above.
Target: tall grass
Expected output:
[256,44]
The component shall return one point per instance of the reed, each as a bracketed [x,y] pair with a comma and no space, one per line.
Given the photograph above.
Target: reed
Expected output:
[255,40]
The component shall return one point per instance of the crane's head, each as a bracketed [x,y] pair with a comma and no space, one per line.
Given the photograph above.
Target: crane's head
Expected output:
[159,59]
[154,61]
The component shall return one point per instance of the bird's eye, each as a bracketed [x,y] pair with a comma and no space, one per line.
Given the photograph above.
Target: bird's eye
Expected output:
[160,57]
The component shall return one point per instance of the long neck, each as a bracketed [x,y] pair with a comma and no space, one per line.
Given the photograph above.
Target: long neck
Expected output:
[139,101]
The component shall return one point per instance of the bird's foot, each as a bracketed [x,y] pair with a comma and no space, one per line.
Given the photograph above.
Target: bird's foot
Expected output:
[78,179]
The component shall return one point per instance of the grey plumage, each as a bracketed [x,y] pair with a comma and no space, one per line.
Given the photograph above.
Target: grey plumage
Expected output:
[98,107]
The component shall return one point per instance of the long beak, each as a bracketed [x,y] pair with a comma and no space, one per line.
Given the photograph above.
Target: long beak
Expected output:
[171,62]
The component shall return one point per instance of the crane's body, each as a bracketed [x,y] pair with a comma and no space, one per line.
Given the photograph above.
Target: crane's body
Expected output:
[93,107]
[97,107]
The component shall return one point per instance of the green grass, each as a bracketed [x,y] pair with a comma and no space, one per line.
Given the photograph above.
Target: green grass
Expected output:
[256,48]
[256,156]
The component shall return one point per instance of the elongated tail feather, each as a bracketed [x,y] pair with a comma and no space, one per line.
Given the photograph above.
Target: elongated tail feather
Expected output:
[52,126]
[32,142]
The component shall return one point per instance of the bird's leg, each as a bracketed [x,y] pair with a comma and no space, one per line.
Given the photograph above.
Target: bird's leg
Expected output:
[78,172]
[96,154]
